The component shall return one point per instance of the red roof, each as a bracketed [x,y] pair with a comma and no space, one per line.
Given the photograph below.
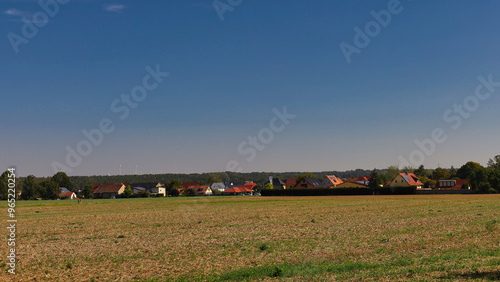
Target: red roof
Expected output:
[108,188]
[238,189]
[292,181]
[458,185]
[411,178]
[67,194]
[186,185]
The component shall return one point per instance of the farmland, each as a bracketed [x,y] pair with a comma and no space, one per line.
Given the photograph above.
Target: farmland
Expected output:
[237,238]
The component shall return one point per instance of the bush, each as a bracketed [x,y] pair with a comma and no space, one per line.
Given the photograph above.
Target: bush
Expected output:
[403,190]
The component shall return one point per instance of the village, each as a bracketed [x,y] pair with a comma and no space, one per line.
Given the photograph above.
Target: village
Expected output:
[249,188]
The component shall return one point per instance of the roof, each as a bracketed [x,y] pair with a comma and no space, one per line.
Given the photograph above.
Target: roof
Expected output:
[64,190]
[277,182]
[218,185]
[458,183]
[314,182]
[67,194]
[148,185]
[360,178]
[333,179]
[411,178]
[239,189]
[108,188]
[291,181]
[185,185]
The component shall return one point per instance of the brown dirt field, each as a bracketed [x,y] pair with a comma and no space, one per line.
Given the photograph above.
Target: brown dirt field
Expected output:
[162,238]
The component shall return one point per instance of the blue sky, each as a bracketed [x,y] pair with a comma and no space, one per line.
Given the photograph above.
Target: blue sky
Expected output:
[226,77]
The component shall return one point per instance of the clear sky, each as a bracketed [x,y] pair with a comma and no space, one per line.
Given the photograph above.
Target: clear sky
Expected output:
[229,67]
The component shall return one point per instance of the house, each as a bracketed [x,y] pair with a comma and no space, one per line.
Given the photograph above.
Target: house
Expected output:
[332,181]
[309,182]
[201,190]
[218,186]
[152,187]
[238,190]
[405,179]
[277,183]
[352,184]
[453,184]
[291,182]
[362,179]
[108,191]
[248,186]
[66,193]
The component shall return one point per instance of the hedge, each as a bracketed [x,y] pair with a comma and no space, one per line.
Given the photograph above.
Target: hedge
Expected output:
[317,192]
[339,191]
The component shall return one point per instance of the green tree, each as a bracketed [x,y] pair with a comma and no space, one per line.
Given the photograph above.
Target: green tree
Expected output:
[257,188]
[465,186]
[475,172]
[214,178]
[391,172]
[172,186]
[4,185]
[87,192]
[494,179]
[269,186]
[375,180]
[49,189]
[62,180]
[408,169]
[128,192]
[421,172]
[494,163]
[484,187]
[440,174]
[30,191]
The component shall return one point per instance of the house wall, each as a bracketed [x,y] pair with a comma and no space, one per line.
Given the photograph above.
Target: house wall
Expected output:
[350,185]
[303,185]
[399,181]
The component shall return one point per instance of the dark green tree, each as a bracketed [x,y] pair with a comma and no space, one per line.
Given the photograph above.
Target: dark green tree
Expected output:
[30,191]
[391,172]
[440,174]
[128,192]
[214,178]
[62,180]
[87,192]
[375,180]
[473,171]
[49,190]
[494,163]
[4,185]
[421,172]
